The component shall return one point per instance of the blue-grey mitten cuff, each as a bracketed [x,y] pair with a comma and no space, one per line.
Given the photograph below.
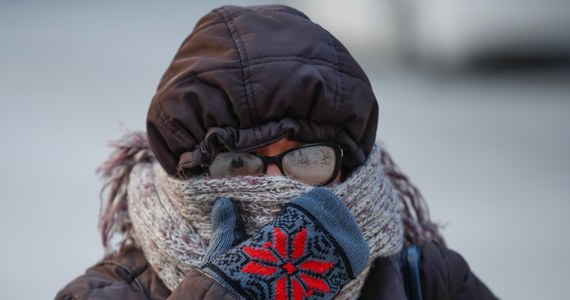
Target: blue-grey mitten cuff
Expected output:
[310,251]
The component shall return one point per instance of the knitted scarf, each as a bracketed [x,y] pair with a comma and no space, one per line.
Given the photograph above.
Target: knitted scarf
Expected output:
[169,219]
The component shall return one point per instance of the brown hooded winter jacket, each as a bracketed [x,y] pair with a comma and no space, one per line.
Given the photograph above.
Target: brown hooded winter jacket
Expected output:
[245,78]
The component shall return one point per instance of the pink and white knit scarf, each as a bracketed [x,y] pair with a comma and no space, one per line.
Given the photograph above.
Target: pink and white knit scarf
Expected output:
[171,217]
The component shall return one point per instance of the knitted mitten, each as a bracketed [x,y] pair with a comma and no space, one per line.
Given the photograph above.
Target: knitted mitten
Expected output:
[228,228]
[311,250]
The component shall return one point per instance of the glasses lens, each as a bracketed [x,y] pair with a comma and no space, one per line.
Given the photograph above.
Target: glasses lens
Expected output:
[313,165]
[228,164]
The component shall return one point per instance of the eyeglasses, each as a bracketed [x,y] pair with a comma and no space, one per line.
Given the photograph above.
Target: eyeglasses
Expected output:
[313,164]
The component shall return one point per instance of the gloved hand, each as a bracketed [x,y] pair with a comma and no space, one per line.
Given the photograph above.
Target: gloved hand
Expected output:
[228,229]
[311,250]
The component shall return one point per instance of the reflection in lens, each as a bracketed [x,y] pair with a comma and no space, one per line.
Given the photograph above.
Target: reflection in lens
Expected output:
[237,163]
[228,164]
[312,165]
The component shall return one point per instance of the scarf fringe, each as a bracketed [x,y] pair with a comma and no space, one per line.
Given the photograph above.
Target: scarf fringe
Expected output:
[114,221]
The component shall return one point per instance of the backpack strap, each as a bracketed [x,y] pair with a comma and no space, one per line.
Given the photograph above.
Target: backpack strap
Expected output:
[410,259]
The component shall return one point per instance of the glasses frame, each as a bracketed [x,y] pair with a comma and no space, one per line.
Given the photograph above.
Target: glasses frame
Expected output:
[278,159]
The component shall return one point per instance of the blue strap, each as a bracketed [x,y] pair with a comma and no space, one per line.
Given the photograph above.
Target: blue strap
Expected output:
[411,259]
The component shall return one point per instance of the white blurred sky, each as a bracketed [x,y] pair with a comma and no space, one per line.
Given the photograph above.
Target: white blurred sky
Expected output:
[489,150]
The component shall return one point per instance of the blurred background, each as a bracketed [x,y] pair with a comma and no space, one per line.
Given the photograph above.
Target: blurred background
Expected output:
[474,106]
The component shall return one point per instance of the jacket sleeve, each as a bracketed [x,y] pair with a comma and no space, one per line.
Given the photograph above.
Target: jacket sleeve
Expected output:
[197,285]
[125,275]
[446,275]
[94,285]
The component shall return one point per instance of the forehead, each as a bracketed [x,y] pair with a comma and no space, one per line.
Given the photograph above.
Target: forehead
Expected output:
[279,147]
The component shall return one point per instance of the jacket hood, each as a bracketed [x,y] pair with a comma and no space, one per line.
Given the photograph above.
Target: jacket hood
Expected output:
[247,76]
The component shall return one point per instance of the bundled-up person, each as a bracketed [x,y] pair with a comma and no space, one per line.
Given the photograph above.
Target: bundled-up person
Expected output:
[259,178]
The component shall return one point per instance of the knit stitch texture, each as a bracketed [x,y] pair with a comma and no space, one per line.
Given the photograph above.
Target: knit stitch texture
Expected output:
[171,218]
[311,250]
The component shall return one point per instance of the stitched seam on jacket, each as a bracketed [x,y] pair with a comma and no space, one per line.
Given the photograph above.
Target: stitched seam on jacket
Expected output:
[210,25]
[176,132]
[273,12]
[266,12]
[246,73]
[261,61]
[338,84]
[132,274]
[284,59]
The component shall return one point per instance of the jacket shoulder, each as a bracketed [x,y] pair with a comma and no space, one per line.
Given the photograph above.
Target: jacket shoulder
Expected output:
[446,275]
[124,276]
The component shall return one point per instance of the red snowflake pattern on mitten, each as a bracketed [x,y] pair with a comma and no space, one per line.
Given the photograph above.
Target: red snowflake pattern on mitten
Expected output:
[301,274]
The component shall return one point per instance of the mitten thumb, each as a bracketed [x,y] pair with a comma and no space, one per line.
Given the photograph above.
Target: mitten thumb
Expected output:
[228,228]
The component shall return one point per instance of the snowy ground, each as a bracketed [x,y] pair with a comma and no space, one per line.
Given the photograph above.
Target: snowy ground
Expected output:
[489,151]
